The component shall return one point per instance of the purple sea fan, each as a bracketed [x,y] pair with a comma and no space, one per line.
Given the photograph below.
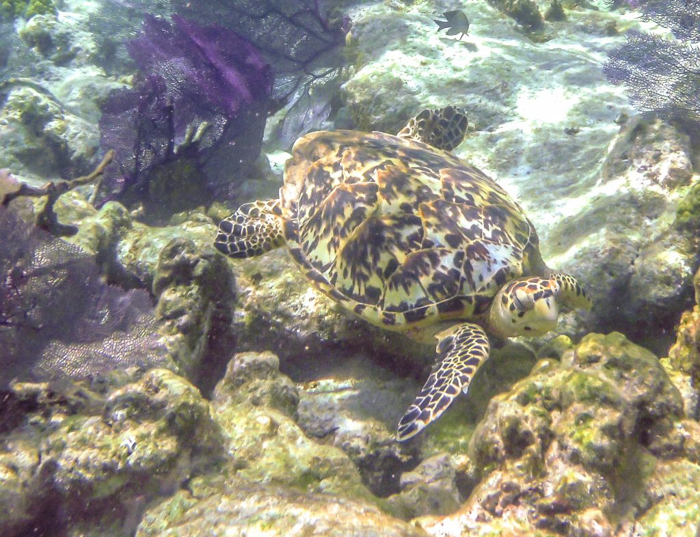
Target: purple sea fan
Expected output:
[58,319]
[198,109]
[662,76]
[204,67]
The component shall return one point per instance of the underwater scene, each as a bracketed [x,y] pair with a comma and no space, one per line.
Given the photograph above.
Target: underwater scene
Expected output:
[350,268]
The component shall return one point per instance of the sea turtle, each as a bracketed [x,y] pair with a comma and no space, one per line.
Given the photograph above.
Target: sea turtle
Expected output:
[403,234]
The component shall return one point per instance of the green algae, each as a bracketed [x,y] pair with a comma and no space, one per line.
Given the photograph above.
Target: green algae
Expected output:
[688,211]
[26,9]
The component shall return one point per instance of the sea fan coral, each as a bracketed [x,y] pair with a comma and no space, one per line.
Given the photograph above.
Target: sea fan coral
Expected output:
[302,40]
[663,76]
[58,318]
[199,108]
[682,17]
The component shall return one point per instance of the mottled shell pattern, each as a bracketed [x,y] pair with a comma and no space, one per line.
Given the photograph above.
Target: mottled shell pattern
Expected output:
[398,231]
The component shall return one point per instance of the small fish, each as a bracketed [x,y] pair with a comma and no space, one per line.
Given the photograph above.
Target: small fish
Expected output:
[456,23]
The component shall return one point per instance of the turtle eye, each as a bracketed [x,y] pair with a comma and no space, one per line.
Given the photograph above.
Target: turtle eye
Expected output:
[518,303]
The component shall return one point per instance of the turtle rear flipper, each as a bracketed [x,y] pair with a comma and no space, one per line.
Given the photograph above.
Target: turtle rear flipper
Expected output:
[443,128]
[461,350]
[255,228]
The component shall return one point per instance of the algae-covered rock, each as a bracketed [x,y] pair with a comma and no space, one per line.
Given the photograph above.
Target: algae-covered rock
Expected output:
[149,438]
[254,378]
[252,509]
[41,138]
[78,453]
[256,405]
[576,441]
[555,12]
[688,211]
[429,489]
[685,353]
[355,406]
[277,481]
[11,9]
[525,12]
[195,293]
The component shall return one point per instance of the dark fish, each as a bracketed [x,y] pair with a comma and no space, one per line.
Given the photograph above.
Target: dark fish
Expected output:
[456,23]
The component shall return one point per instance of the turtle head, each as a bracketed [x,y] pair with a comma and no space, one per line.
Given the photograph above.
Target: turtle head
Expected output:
[525,307]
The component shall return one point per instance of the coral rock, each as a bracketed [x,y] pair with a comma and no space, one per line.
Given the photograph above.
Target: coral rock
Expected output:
[553,447]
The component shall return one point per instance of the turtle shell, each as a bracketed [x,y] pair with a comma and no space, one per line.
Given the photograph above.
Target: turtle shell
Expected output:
[397,231]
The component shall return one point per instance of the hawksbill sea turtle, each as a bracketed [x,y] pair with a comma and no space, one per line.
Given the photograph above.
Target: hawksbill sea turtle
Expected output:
[403,234]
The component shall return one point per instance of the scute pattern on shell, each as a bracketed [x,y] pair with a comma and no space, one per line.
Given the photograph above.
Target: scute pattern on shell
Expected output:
[398,231]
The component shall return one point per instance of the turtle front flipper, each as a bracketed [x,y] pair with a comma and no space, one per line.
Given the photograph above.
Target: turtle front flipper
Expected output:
[461,350]
[443,128]
[255,228]
[572,293]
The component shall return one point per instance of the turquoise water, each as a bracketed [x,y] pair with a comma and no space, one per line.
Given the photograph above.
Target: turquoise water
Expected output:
[349,268]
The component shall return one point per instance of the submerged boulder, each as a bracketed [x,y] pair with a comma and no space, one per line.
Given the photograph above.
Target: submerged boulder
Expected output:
[602,432]
[73,457]
[278,481]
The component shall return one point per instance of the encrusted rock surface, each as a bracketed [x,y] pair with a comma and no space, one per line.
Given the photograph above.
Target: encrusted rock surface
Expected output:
[684,356]
[249,509]
[193,285]
[69,453]
[278,481]
[601,433]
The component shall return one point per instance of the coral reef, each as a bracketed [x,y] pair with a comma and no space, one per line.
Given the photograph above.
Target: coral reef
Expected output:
[590,439]
[94,467]
[280,482]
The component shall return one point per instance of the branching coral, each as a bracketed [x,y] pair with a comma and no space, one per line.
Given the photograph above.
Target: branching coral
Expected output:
[197,114]
[47,218]
[662,76]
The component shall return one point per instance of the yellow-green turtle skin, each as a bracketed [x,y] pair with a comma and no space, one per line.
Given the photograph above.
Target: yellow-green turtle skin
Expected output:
[399,232]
